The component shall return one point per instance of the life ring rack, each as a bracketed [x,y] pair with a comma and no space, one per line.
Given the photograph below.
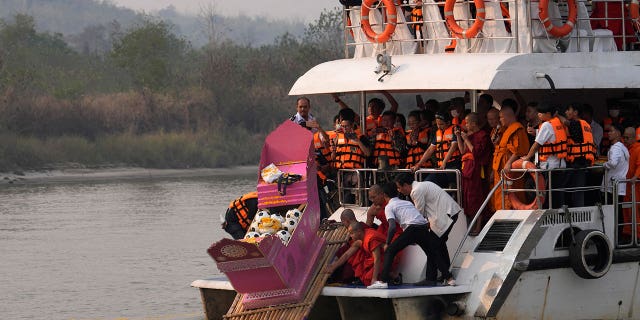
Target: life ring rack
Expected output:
[458,31]
[540,186]
[558,31]
[392,20]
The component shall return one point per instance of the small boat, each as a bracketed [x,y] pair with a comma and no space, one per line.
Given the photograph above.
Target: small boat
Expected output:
[538,263]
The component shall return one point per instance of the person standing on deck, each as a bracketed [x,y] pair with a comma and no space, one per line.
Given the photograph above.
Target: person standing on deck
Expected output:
[551,146]
[476,148]
[442,212]
[513,143]
[445,147]
[617,165]
[581,151]
[633,145]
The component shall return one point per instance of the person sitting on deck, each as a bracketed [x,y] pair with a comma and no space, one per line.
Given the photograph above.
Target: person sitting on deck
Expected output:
[442,212]
[239,215]
[371,252]
[343,269]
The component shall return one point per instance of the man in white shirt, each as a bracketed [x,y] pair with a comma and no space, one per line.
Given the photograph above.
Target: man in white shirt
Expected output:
[415,231]
[616,166]
[551,146]
[303,115]
[442,211]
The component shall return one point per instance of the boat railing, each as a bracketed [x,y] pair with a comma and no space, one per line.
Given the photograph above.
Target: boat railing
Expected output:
[354,184]
[510,26]
[626,213]
[550,187]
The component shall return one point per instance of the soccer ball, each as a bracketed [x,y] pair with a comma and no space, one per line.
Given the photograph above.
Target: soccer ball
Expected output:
[290,224]
[252,234]
[284,236]
[277,217]
[294,214]
[254,226]
[262,214]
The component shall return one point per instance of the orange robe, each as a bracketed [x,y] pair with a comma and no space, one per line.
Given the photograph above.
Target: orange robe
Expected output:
[514,140]
[634,171]
[364,269]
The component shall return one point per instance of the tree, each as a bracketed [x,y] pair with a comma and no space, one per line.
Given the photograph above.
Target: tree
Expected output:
[151,54]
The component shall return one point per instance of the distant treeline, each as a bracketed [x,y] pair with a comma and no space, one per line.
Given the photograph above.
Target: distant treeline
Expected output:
[153,100]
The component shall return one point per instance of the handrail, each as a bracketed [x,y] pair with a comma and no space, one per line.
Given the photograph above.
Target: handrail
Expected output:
[475,218]
[634,219]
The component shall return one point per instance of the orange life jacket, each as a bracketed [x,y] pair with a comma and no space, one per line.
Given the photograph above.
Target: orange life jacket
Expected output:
[384,147]
[557,148]
[242,210]
[415,153]
[348,153]
[443,144]
[457,122]
[416,18]
[371,124]
[586,149]
[321,147]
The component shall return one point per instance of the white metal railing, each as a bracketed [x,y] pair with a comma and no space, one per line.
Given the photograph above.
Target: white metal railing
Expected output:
[621,212]
[354,184]
[520,29]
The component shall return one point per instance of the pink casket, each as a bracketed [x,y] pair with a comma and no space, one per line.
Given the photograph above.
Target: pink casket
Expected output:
[269,272]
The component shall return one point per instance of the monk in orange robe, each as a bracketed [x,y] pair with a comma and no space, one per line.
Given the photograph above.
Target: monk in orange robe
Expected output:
[634,172]
[513,144]
[370,254]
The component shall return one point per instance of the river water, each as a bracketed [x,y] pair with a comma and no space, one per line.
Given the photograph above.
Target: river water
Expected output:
[111,250]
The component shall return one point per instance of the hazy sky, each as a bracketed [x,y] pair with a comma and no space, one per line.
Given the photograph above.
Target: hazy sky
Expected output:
[305,10]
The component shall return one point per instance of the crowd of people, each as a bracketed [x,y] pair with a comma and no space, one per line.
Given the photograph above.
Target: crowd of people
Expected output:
[483,145]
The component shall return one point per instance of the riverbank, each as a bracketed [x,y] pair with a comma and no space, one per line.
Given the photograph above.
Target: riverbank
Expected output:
[113,174]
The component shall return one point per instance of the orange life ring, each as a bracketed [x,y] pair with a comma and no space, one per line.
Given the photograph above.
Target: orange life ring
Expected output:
[392,20]
[517,204]
[456,30]
[565,29]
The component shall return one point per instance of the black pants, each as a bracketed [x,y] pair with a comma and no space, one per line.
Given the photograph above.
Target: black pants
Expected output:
[577,178]
[413,234]
[439,260]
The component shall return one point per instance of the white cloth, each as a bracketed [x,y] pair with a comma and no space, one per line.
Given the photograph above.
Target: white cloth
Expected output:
[363,47]
[494,27]
[616,167]
[546,134]
[435,204]
[436,28]
[598,133]
[546,42]
[404,212]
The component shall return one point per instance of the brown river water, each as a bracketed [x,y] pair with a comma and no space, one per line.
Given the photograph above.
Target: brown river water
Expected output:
[111,249]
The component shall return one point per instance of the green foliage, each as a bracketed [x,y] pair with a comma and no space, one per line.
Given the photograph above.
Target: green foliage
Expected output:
[153,101]
[150,53]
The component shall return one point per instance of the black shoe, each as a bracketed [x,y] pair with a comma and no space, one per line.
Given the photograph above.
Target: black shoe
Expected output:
[426,283]
[397,281]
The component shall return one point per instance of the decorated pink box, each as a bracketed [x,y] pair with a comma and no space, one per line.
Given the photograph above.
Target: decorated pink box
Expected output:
[269,272]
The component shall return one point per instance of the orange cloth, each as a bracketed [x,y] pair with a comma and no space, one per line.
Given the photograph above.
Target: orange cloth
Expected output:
[514,140]
[634,171]
[372,240]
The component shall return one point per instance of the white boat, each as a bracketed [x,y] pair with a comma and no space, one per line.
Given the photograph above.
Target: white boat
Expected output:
[537,264]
